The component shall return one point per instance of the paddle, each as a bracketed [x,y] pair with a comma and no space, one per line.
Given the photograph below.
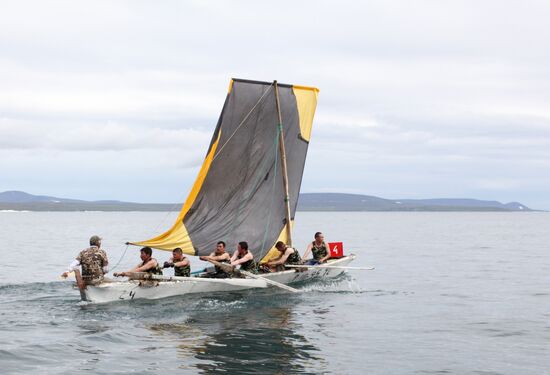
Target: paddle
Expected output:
[271,282]
[335,267]
[231,269]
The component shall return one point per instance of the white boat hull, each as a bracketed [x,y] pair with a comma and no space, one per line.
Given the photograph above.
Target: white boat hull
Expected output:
[133,289]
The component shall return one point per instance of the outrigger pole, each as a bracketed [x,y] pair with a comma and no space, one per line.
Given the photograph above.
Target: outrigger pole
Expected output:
[283,163]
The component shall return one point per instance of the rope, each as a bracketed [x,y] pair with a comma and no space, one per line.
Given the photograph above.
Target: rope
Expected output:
[260,173]
[268,224]
[220,150]
[243,121]
[166,217]
[124,253]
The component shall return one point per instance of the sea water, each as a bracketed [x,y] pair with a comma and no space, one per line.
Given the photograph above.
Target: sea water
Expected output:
[452,293]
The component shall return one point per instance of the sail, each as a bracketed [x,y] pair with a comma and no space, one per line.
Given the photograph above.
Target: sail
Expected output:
[239,193]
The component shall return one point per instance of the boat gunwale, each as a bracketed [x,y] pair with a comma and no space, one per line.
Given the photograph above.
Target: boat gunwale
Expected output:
[184,279]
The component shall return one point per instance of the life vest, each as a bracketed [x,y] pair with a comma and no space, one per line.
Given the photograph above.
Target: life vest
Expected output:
[319,252]
[294,258]
[249,266]
[183,271]
[153,271]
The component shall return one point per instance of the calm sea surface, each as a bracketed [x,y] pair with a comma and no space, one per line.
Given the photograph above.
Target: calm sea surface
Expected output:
[452,293]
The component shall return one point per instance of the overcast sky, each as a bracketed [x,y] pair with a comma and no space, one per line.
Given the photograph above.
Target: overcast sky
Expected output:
[419,99]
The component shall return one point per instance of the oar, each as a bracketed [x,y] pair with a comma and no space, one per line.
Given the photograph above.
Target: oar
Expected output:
[231,269]
[335,267]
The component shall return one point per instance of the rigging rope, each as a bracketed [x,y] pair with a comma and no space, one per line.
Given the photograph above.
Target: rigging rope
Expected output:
[166,217]
[116,265]
[268,224]
[243,121]
[262,97]
[261,173]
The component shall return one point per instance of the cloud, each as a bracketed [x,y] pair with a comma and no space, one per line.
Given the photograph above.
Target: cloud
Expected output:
[96,136]
[417,99]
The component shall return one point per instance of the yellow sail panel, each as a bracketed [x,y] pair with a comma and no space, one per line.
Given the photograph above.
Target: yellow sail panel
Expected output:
[306,101]
[274,253]
[177,236]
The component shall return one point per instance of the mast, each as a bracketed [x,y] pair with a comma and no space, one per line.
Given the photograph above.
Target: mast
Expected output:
[283,163]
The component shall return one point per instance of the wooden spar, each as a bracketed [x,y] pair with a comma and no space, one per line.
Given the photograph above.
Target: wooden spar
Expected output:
[227,268]
[232,269]
[271,282]
[283,163]
[334,267]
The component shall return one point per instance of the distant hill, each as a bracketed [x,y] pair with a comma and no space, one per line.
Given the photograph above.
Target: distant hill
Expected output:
[357,202]
[21,201]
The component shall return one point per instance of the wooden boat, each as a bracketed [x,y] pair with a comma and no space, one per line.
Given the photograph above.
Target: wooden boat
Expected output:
[247,190]
[168,286]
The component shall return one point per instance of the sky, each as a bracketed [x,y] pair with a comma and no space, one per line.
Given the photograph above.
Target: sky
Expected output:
[419,99]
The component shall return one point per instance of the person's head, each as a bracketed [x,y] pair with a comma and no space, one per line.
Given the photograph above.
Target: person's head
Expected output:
[220,247]
[177,254]
[95,241]
[242,247]
[280,246]
[319,237]
[146,253]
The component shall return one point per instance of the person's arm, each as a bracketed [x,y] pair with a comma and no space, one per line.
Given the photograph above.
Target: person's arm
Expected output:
[182,263]
[105,268]
[169,263]
[220,258]
[244,259]
[234,257]
[308,250]
[147,266]
[282,259]
[125,273]
[275,261]
[72,267]
[327,257]
[206,258]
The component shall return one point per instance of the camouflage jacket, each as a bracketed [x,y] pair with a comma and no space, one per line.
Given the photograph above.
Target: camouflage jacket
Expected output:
[92,261]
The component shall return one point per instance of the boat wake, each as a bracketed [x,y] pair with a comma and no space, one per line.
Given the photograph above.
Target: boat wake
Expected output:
[344,283]
[34,291]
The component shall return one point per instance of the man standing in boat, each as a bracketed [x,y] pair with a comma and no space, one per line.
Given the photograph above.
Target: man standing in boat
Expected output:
[319,249]
[182,266]
[218,255]
[94,263]
[245,258]
[288,255]
[148,264]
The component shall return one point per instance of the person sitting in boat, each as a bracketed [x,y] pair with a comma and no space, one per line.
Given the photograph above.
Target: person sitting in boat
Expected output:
[94,263]
[288,255]
[218,255]
[245,258]
[319,249]
[182,266]
[148,264]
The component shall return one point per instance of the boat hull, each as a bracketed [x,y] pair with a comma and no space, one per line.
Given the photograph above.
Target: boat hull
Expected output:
[133,289]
